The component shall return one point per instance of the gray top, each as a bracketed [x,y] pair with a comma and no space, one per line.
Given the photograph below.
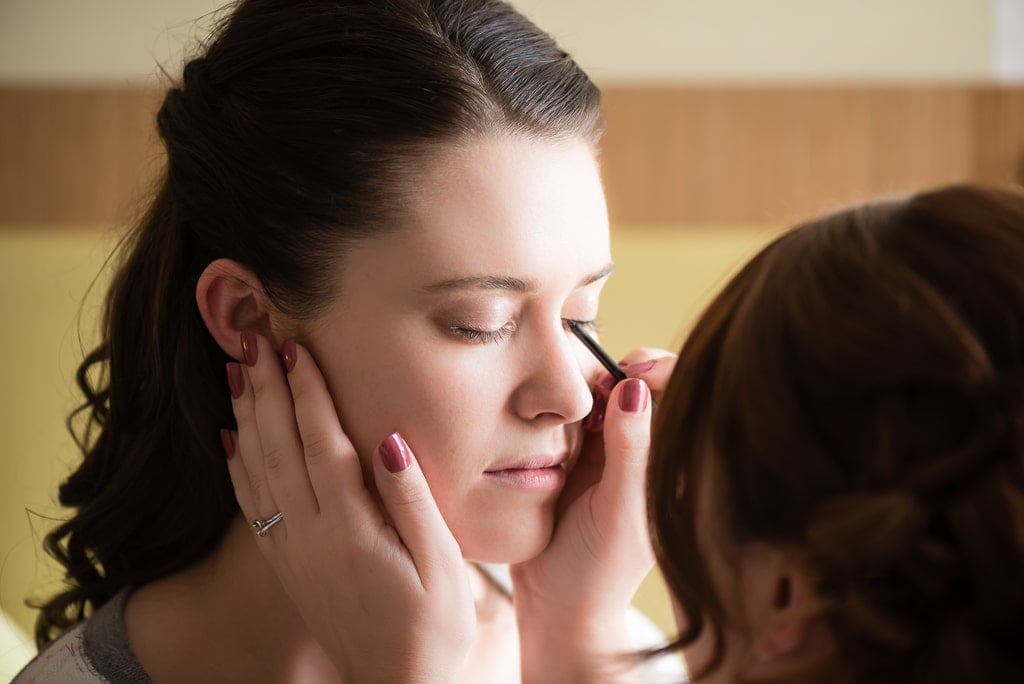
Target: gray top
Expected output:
[96,651]
[93,651]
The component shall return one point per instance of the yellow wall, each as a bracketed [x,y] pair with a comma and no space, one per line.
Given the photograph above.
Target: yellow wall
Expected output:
[44,275]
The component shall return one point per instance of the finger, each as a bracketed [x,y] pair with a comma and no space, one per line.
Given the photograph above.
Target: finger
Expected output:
[248,448]
[330,458]
[654,371]
[237,473]
[414,513]
[283,464]
[627,440]
[641,354]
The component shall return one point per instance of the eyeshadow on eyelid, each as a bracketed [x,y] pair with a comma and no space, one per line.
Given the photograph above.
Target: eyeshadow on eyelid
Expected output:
[473,319]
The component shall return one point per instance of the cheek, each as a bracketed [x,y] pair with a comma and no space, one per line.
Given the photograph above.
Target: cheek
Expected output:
[433,397]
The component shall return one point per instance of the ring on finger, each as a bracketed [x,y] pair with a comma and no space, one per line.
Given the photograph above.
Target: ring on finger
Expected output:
[262,527]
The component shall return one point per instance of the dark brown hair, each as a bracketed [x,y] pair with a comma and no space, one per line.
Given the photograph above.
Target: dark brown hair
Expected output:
[859,390]
[300,128]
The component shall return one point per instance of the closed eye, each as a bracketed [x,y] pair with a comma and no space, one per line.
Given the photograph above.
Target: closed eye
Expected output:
[478,336]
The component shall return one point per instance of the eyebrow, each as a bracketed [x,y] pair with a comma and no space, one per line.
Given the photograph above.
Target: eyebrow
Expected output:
[509,283]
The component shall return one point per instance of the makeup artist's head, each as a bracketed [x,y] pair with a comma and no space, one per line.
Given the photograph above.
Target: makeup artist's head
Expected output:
[837,478]
[410,189]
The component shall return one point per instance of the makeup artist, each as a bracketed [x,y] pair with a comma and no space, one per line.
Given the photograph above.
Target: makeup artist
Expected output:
[379,218]
[853,508]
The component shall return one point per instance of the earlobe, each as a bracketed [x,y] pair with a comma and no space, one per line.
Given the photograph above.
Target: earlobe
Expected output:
[231,299]
[786,625]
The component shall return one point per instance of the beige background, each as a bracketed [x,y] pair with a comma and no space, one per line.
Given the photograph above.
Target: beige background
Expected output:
[678,230]
[638,41]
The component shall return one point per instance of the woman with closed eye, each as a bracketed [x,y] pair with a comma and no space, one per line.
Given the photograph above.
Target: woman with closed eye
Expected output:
[375,224]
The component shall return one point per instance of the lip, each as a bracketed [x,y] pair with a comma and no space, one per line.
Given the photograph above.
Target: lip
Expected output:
[538,462]
[538,473]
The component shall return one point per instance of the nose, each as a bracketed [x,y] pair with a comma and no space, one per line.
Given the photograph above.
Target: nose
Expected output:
[554,384]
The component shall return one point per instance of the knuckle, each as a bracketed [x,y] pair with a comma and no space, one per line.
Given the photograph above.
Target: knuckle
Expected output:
[273,461]
[257,486]
[632,445]
[629,434]
[259,385]
[316,448]
[300,390]
[411,499]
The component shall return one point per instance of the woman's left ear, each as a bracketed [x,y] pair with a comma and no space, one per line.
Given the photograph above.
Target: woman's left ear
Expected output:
[231,299]
[783,602]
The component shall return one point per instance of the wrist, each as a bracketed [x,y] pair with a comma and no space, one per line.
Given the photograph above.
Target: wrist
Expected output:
[573,649]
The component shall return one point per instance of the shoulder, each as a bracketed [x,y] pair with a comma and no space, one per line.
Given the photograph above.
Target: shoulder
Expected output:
[64,660]
[93,651]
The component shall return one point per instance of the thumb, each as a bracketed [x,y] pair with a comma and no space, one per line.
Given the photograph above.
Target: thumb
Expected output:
[406,497]
[627,441]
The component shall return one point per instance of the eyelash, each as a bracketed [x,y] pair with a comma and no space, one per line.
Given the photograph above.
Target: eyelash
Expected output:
[503,333]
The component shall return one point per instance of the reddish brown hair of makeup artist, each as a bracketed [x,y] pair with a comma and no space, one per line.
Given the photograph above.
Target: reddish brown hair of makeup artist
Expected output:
[858,389]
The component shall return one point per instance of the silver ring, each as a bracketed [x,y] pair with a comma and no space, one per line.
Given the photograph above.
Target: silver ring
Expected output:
[263,526]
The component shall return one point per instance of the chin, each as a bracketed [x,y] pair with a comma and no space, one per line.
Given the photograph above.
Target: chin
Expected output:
[508,543]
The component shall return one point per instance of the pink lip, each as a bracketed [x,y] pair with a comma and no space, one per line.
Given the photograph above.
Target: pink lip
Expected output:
[541,473]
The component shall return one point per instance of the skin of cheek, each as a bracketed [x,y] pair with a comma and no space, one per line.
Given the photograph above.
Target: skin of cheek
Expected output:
[429,389]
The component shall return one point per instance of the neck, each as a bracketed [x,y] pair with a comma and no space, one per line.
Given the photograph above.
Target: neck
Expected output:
[232,613]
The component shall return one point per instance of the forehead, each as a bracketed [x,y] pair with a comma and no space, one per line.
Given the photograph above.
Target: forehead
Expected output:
[501,202]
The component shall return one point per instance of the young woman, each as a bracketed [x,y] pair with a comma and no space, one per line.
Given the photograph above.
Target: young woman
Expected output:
[837,476]
[401,200]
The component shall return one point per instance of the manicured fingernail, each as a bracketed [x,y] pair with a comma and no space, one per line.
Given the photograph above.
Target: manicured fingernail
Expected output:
[605,382]
[639,368]
[228,442]
[250,352]
[395,453]
[594,421]
[288,350]
[633,396]
[236,381]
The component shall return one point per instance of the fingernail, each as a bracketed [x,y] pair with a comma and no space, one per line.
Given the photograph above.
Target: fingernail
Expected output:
[236,381]
[605,382]
[250,352]
[288,349]
[395,453]
[594,421]
[639,368]
[228,443]
[633,396]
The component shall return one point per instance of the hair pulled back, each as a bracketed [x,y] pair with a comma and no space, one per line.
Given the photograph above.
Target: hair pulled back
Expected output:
[299,129]
[858,390]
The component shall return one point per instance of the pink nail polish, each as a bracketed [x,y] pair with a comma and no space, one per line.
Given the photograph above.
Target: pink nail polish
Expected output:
[633,396]
[250,350]
[394,452]
[228,442]
[288,351]
[639,368]
[236,381]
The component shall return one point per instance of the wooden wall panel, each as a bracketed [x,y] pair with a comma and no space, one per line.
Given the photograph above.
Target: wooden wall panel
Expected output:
[757,154]
[75,156]
[999,135]
[672,155]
